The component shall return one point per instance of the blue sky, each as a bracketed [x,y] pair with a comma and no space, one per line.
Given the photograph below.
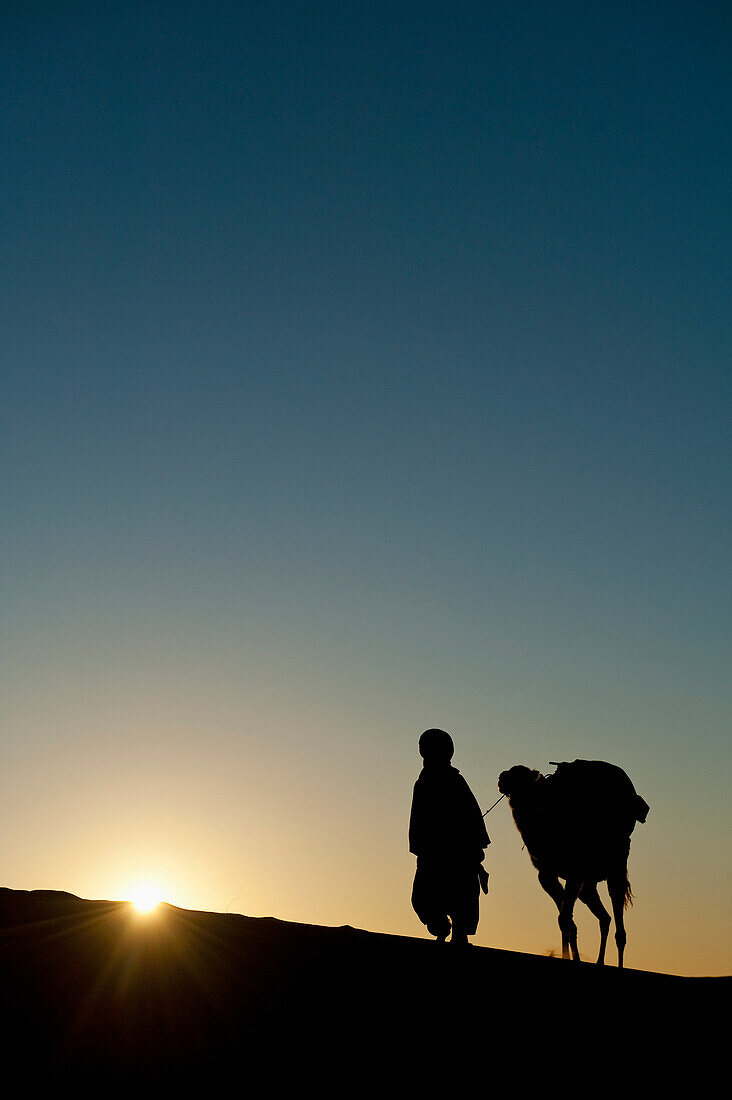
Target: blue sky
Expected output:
[366,369]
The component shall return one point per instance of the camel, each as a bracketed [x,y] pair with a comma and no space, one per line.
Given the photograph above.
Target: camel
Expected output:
[576,824]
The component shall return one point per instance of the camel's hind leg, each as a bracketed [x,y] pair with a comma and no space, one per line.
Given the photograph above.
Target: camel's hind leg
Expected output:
[618,889]
[589,895]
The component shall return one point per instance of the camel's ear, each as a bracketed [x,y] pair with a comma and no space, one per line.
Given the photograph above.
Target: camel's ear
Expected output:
[641,809]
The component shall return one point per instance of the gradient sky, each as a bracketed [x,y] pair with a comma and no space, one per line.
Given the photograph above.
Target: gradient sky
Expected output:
[366,368]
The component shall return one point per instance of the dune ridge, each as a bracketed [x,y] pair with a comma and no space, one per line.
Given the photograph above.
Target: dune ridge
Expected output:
[90,987]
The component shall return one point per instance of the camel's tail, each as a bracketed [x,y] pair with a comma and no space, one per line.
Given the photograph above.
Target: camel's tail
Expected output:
[628,894]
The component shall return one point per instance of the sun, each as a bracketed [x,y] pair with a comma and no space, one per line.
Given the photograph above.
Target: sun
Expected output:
[145,896]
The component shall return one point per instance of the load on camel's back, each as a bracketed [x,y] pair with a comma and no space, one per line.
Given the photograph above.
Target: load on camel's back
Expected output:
[576,824]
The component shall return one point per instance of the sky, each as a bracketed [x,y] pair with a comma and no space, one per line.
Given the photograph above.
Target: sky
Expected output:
[366,369]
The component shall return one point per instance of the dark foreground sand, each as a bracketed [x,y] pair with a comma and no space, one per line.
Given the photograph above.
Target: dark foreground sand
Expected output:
[94,994]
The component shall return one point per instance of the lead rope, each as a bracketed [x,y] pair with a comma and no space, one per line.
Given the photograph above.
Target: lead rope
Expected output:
[493,806]
[482,873]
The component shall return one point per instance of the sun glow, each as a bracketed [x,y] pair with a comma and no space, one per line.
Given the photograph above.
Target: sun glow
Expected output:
[145,897]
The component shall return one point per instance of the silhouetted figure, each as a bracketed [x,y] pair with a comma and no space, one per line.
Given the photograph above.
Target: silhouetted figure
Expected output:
[576,825]
[447,835]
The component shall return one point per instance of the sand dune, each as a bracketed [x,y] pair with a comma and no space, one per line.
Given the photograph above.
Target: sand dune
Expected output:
[90,989]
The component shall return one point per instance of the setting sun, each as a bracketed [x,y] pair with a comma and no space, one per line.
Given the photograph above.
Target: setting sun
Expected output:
[145,897]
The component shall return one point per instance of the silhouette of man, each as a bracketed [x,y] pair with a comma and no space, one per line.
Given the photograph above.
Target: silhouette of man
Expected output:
[448,836]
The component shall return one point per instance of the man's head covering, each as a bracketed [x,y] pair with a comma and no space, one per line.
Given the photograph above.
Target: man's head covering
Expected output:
[436,745]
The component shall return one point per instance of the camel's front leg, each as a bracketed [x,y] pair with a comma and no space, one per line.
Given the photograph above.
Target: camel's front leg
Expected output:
[566,922]
[549,881]
[591,898]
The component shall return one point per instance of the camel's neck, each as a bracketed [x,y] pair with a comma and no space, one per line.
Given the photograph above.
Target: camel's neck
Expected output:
[526,812]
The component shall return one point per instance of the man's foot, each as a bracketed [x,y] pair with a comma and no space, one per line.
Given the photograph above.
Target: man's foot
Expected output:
[440,929]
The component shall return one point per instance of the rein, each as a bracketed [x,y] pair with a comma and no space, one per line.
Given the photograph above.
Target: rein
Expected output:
[493,806]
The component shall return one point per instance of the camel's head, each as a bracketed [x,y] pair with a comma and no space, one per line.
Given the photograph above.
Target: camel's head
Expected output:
[517,781]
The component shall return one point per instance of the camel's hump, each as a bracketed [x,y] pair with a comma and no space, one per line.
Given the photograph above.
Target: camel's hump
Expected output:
[600,775]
